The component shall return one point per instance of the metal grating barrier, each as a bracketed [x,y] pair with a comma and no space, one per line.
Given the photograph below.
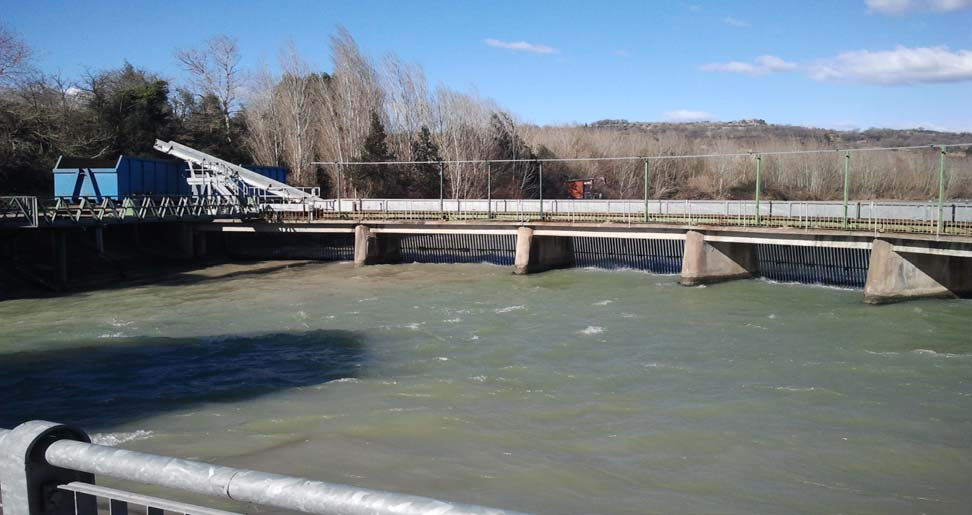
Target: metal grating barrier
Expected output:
[497,249]
[330,247]
[813,265]
[658,256]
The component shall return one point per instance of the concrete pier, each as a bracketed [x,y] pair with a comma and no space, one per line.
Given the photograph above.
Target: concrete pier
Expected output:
[375,249]
[539,253]
[895,276]
[706,262]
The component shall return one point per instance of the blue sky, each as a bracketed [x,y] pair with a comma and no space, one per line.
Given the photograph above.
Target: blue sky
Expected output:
[831,63]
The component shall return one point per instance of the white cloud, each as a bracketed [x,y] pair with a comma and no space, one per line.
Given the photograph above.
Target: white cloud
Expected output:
[520,46]
[762,65]
[735,22]
[902,65]
[904,6]
[685,115]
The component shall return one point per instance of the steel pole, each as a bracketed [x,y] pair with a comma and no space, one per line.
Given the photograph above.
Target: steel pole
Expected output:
[941,190]
[646,189]
[489,190]
[847,159]
[441,188]
[759,159]
[541,189]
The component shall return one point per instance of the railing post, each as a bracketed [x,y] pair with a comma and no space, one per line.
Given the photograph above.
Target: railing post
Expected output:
[489,190]
[941,190]
[759,159]
[540,163]
[847,159]
[646,190]
[29,483]
[442,189]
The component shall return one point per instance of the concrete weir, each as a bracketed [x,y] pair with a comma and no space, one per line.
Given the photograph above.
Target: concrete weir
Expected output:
[900,266]
[898,273]
[706,262]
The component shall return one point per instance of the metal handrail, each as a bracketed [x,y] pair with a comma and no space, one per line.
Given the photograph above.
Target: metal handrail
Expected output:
[231,483]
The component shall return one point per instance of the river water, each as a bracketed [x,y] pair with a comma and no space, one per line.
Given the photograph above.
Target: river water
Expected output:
[575,391]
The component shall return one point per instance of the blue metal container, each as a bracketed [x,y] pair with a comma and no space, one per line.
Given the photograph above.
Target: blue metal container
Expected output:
[277,173]
[131,176]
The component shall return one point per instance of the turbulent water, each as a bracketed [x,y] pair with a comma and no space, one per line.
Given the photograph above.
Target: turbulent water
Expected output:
[576,391]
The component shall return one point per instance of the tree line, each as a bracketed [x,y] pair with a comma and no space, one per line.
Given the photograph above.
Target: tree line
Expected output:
[367,110]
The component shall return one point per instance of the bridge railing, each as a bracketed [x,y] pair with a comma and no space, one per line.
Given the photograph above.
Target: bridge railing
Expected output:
[34,212]
[19,211]
[878,216]
[48,469]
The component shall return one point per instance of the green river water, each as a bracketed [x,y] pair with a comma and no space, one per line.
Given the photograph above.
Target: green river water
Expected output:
[568,392]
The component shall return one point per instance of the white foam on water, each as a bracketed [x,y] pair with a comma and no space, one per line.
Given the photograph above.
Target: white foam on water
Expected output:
[452,320]
[602,302]
[920,352]
[886,354]
[442,358]
[815,285]
[796,389]
[113,439]
[507,309]
[345,380]
[592,329]
[120,323]
[929,352]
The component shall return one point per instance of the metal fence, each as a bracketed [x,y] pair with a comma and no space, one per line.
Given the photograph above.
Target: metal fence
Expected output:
[36,212]
[48,468]
[954,218]
[19,211]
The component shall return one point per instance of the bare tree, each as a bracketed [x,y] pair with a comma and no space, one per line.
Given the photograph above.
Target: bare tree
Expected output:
[348,97]
[14,56]
[215,70]
[263,137]
[296,96]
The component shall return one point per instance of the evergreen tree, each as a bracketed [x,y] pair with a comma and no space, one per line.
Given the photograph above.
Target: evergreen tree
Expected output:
[131,107]
[378,180]
[424,178]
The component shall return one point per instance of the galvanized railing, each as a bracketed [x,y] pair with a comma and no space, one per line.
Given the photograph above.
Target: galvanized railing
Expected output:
[952,218]
[48,468]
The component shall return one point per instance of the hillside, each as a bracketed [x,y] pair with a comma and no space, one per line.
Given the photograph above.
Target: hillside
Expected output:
[753,130]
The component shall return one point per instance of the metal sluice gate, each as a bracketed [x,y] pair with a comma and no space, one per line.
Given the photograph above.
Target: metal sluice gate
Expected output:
[50,469]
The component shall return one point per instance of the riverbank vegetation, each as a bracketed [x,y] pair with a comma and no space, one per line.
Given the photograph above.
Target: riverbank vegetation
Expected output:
[367,109]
